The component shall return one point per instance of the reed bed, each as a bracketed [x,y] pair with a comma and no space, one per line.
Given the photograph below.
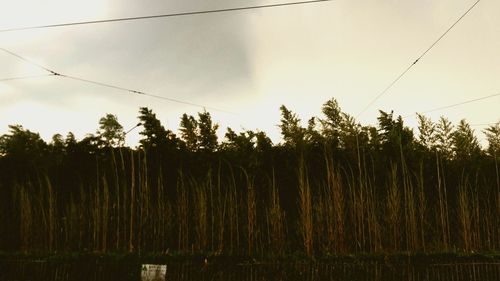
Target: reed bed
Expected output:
[126,206]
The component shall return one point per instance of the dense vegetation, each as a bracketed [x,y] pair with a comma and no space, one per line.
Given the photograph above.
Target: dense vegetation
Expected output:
[333,187]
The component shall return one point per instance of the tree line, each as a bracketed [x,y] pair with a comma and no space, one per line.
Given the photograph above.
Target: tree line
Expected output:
[331,187]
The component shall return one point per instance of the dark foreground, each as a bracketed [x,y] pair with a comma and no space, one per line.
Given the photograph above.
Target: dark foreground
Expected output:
[384,268]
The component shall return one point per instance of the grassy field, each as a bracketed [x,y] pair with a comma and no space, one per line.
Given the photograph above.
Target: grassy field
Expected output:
[337,189]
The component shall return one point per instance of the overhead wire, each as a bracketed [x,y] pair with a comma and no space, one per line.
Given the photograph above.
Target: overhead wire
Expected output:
[386,89]
[54,73]
[455,104]
[143,93]
[27,60]
[25,77]
[164,15]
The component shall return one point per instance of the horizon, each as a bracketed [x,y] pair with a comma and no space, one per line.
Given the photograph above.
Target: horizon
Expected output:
[277,140]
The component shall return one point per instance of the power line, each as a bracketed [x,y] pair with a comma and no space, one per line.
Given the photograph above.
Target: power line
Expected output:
[24,77]
[163,15]
[417,60]
[54,73]
[142,93]
[27,60]
[456,104]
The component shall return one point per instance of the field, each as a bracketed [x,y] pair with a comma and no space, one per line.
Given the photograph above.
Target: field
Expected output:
[329,191]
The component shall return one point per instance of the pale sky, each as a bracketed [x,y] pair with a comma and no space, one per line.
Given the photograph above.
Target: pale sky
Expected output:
[248,62]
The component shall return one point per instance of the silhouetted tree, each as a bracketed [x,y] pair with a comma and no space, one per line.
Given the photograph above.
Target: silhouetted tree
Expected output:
[207,138]
[155,134]
[244,141]
[89,144]
[189,131]
[465,144]
[394,135]
[263,142]
[22,144]
[57,142]
[110,131]
[57,148]
[352,134]
[427,132]
[313,136]
[493,137]
[292,132]
[444,137]
[332,123]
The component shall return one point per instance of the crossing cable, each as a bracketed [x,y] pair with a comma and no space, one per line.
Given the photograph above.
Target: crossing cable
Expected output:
[416,61]
[24,77]
[54,73]
[27,60]
[164,15]
[142,93]
[455,104]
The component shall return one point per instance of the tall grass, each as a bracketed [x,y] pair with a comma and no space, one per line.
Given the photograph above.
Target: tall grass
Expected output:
[275,221]
[443,213]
[331,211]
[129,205]
[251,215]
[394,210]
[422,207]
[305,222]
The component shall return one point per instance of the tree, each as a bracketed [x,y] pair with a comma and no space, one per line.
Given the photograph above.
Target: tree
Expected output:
[22,144]
[70,143]
[57,140]
[444,137]
[465,144]
[244,141]
[313,136]
[110,131]
[293,134]
[188,128]
[263,142]
[351,133]
[373,137]
[493,136]
[331,124]
[427,132]
[155,134]
[207,138]
[89,144]
[57,146]
[394,135]
[201,134]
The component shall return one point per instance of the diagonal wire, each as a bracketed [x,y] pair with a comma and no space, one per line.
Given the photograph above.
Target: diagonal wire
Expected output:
[25,77]
[142,93]
[27,60]
[164,15]
[417,60]
[456,104]
[54,73]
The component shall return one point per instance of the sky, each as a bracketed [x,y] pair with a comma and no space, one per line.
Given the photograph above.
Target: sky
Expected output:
[247,63]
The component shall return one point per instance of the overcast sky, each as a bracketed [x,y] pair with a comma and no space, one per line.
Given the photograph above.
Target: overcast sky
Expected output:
[247,62]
